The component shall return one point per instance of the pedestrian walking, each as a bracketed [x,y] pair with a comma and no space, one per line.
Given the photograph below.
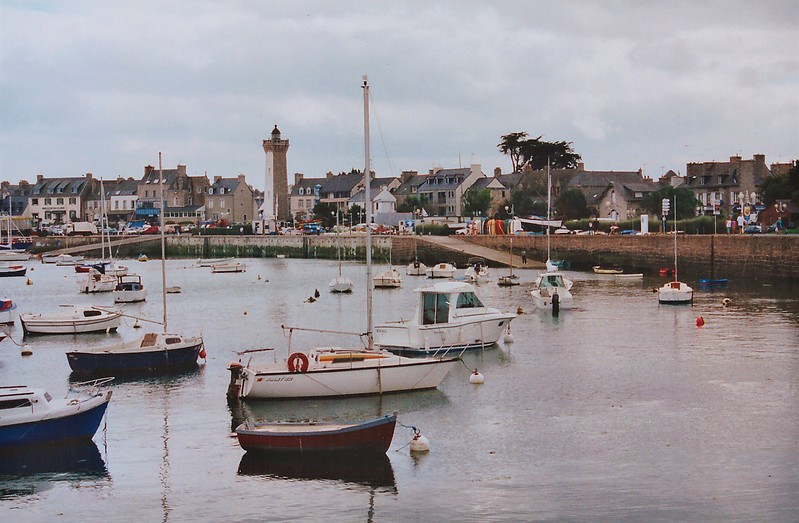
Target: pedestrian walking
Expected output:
[524,257]
[741,223]
[728,223]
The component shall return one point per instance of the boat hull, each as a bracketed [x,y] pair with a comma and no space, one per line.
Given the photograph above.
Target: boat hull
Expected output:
[350,381]
[35,324]
[370,437]
[78,426]
[171,359]
[543,300]
[10,272]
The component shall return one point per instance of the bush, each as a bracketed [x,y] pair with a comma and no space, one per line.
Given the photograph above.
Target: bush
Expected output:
[433,229]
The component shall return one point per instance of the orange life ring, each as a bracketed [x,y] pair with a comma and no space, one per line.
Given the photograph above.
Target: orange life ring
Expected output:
[298,362]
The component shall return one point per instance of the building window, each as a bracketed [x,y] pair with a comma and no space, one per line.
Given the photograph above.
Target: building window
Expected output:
[146,194]
[59,201]
[48,201]
[74,201]
[34,201]
[210,204]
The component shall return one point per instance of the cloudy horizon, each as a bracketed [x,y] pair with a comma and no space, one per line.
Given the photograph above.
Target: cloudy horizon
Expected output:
[102,87]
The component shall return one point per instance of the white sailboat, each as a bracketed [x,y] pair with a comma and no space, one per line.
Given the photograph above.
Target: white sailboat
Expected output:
[389,278]
[335,371]
[340,284]
[675,292]
[551,288]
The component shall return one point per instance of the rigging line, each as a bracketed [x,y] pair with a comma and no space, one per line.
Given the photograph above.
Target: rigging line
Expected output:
[391,170]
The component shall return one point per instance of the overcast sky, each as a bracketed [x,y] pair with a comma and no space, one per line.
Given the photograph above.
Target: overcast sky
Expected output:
[103,86]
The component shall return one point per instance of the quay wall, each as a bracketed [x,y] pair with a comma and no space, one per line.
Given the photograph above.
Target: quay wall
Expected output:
[722,255]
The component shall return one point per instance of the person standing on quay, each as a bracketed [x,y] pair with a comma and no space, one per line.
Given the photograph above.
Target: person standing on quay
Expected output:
[729,224]
[524,257]
[741,223]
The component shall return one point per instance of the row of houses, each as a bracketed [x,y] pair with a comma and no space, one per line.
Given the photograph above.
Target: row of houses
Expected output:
[614,195]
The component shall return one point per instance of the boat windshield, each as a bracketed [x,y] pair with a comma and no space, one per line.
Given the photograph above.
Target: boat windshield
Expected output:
[468,300]
[552,280]
[435,308]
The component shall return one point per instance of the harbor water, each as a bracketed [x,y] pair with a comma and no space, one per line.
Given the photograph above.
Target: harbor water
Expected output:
[618,409]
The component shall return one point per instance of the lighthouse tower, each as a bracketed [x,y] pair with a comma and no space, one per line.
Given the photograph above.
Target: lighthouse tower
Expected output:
[276,188]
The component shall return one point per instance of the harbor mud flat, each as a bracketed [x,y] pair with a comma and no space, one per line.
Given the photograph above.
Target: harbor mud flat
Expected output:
[617,409]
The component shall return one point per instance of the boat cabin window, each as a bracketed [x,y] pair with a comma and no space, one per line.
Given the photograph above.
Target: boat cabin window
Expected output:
[89,314]
[468,300]
[435,308]
[16,403]
[48,397]
[552,280]
[171,341]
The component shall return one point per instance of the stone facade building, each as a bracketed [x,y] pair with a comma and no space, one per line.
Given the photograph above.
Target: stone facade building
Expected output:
[230,199]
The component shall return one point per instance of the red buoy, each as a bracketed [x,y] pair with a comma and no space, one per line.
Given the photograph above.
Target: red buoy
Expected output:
[700,321]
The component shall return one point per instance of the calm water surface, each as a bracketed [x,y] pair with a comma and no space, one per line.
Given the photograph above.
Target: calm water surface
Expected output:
[620,409]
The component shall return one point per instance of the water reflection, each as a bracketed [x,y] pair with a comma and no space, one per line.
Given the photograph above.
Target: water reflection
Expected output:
[29,470]
[369,471]
[144,377]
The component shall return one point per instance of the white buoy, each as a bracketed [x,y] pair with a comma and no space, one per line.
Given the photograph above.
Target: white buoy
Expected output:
[726,302]
[26,352]
[476,378]
[420,443]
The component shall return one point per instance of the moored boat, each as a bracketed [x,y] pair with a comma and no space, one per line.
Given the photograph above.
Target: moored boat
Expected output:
[442,270]
[599,269]
[152,352]
[71,319]
[416,268]
[388,279]
[228,267]
[7,308]
[11,271]
[448,317]
[361,437]
[30,416]
[129,289]
[552,289]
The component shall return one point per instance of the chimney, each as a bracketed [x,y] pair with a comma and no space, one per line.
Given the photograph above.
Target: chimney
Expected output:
[88,176]
[407,175]
[148,169]
[476,168]
[497,172]
[329,175]
[580,166]
[298,178]
[39,178]
[242,179]
[735,159]
[760,159]
[217,178]
[181,170]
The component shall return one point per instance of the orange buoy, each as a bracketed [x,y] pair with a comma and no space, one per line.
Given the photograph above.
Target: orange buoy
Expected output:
[700,321]
[202,353]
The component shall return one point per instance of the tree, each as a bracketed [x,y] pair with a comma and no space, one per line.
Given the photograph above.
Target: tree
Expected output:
[781,187]
[523,202]
[476,201]
[571,205]
[410,204]
[326,211]
[686,202]
[535,153]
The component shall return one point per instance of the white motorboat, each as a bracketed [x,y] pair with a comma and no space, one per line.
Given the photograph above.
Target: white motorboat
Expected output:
[226,267]
[388,279]
[416,268]
[70,320]
[335,372]
[96,281]
[477,271]
[14,255]
[442,270]
[129,289]
[552,288]
[448,316]
[32,416]
[67,260]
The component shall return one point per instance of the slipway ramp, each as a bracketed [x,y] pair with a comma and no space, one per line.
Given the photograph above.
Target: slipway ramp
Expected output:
[455,244]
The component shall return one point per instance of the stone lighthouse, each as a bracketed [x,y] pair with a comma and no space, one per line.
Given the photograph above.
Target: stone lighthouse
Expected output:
[276,188]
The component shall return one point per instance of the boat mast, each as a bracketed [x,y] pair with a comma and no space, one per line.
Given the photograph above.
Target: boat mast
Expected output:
[674,204]
[102,224]
[549,202]
[368,203]
[163,243]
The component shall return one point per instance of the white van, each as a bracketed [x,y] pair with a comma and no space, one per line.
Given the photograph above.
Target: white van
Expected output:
[80,228]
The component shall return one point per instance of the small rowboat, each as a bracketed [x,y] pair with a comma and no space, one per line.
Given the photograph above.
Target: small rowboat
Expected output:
[310,437]
[598,269]
[13,270]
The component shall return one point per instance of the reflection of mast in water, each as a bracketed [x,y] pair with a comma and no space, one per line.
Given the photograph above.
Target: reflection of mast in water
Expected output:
[163,473]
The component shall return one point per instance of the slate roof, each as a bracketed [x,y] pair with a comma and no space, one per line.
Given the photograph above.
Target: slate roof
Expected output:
[445,179]
[58,187]
[225,185]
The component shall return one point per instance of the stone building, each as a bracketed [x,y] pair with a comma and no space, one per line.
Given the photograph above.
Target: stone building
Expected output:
[230,199]
[184,195]
[727,184]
